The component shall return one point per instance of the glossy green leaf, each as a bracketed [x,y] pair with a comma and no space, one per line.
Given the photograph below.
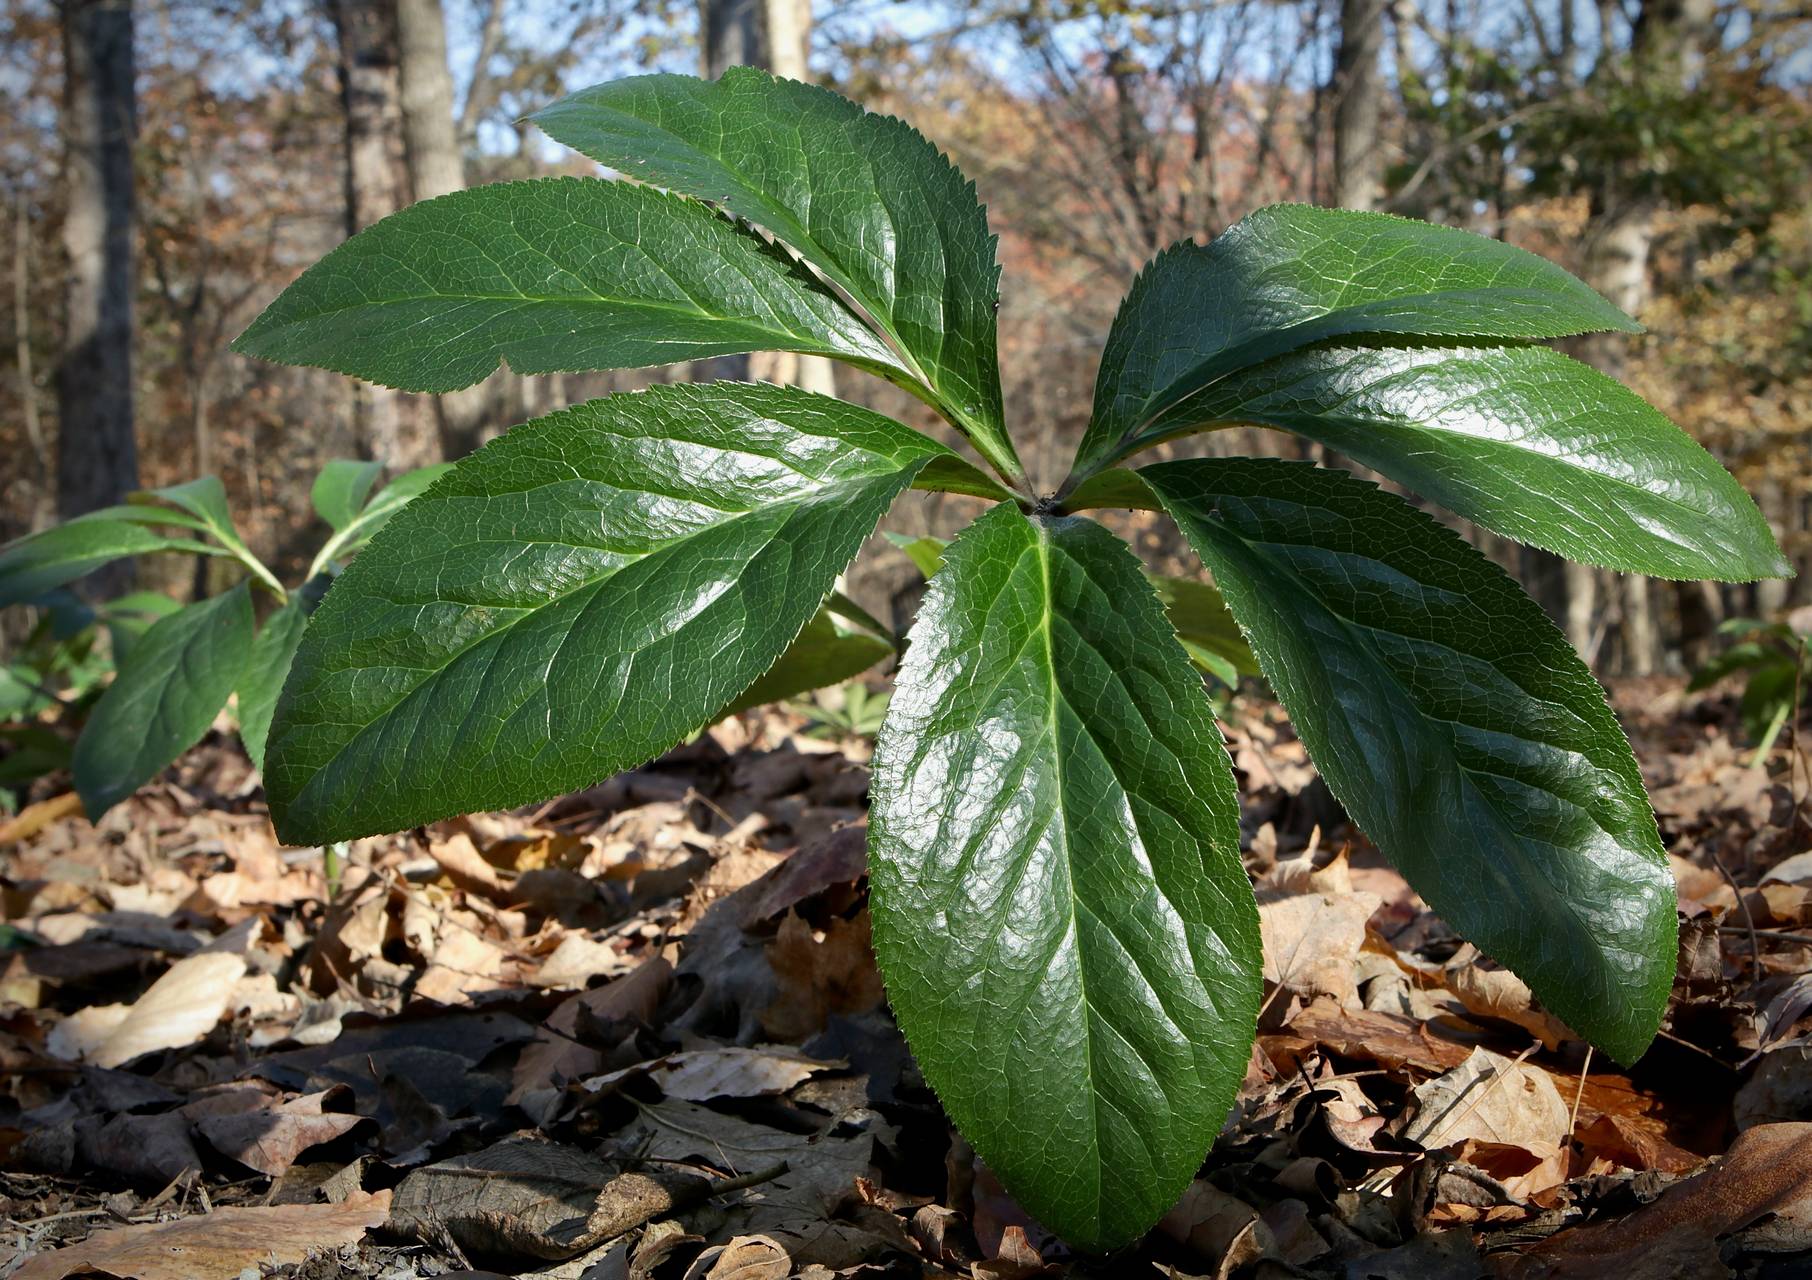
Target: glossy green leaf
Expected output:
[1069,941]
[1289,275]
[550,275]
[1196,611]
[862,197]
[35,564]
[829,651]
[1455,723]
[572,599]
[1522,440]
[164,698]
[374,515]
[341,489]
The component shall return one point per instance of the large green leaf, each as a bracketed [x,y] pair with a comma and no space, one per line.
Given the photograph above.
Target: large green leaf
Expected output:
[550,275]
[35,564]
[572,599]
[1200,617]
[1455,723]
[1522,440]
[1289,275]
[1068,939]
[862,197]
[164,698]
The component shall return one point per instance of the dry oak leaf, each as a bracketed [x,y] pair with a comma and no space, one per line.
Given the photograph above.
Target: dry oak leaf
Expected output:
[1491,1101]
[215,1246]
[1500,994]
[1312,940]
[732,1071]
[1760,1193]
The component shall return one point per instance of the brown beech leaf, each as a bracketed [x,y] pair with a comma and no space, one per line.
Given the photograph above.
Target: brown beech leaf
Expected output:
[1491,1099]
[1760,1193]
[215,1246]
[270,1140]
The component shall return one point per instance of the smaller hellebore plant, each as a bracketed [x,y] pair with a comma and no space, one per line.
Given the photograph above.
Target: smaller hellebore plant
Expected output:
[1069,941]
[178,665]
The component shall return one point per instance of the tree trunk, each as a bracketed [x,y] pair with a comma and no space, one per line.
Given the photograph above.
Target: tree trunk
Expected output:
[391,430]
[97,454]
[774,34]
[43,501]
[436,168]
[1667,42]
[1359,105]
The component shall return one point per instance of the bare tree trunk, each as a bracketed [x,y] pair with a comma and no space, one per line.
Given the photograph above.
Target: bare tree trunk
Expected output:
[1359,105]
[1669,36]
[97,453]
[436,168]
[43,501]
[774,34]
[391,430]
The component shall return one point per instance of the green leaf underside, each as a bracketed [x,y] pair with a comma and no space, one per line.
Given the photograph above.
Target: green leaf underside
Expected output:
[341,489]
[1522,440]
[271,655]
[1289,275]
[1069,941]
[550,275]
[42,561]
[827,652]
[574,598]
[1455,723]
[864,198]
[164,698]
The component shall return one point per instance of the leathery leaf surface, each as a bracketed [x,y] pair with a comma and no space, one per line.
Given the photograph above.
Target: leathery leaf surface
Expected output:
[863,197]
[550,275]
[1455,723]
[574,598]
[1068,938]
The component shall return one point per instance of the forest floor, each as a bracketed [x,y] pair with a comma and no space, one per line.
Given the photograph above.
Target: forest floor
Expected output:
[638,1033]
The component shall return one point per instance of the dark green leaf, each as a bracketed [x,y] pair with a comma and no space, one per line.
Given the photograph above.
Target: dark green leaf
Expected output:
[1455,723]
[341,489]
[38,562]
[265,671]
[550,275]
[574,598]
[1207,630]
[829,651]
[1289,275]
[130,616]
[31,752]
[164,698]
[1522,440]
[862,197]
[1069,941]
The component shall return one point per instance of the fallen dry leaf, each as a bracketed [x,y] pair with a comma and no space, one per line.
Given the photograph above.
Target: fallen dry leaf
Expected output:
[181,1007]
[1311,941]
[1762,1190]
[218,1245]
[1489,1099]
[1491,992]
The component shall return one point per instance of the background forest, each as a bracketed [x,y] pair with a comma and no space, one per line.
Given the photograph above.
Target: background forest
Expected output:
[168,165]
